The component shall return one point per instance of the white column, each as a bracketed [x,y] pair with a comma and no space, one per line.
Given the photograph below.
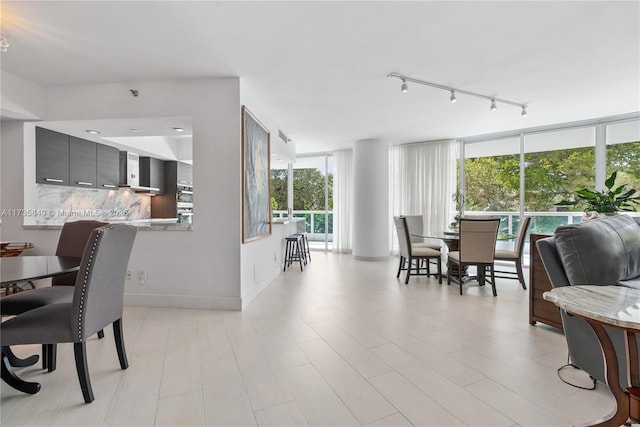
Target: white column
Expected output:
[370,199]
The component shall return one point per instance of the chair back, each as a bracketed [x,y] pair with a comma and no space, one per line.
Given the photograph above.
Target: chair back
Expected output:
[414,226]
[478,240]
[72,241]
[522,233]
[403,236]
[99,289]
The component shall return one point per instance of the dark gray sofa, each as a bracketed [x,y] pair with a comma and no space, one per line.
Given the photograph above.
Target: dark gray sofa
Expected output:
[603,251]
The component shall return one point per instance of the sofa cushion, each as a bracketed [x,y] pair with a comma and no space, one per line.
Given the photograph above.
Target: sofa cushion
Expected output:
[600,252]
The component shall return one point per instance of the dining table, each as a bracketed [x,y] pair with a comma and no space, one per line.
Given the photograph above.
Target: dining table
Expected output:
[451,238]
[615,307]
[22,269]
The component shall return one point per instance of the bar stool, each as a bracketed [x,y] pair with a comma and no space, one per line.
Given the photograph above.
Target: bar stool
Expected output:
[305,247]
[294,251]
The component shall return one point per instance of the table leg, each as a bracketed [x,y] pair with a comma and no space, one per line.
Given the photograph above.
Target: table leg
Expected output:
[16,361]
[452,269]
[612,376]
[9,377]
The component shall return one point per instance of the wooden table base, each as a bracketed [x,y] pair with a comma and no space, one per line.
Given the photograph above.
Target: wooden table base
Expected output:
[627,401]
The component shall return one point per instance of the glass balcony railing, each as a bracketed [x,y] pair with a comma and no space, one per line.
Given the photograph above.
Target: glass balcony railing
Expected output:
[318,229]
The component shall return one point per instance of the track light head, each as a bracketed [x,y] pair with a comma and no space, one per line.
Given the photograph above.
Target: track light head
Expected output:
[404,88]
[524,111]
[493,105]
[452,98]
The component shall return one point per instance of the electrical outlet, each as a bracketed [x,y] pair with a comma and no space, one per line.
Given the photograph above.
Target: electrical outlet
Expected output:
[128,277]
[142,276]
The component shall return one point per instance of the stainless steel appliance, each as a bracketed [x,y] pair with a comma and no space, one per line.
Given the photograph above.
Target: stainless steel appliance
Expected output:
[130,172]
[184,198]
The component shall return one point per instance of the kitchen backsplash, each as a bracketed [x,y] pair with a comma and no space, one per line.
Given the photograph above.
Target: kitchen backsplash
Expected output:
[57,204]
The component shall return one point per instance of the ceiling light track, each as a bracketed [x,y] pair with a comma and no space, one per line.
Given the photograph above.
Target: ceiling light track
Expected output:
[454,92]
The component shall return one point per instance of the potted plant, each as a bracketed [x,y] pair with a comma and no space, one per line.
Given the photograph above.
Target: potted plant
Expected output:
[609,201]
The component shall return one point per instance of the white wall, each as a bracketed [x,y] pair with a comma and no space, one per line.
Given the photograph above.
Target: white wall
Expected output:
[262,259]
[200,268]
[21,99]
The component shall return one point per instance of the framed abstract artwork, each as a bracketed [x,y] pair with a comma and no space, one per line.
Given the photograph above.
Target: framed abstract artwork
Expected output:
[256,176]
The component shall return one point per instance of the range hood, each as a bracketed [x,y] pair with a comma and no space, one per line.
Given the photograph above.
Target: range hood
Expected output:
[130,173]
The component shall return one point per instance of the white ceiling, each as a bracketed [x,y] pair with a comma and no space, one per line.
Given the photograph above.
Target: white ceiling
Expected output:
[321,66]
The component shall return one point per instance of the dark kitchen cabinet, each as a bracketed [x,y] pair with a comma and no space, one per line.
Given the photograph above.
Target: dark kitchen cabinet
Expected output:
[152,174]
[108,162]
[82,163]
[52,157]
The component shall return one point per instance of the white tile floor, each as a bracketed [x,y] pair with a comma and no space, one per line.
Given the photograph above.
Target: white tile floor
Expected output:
[342,343]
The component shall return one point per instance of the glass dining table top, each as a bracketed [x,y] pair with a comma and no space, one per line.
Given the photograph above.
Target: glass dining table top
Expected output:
[26,268]
[454,235]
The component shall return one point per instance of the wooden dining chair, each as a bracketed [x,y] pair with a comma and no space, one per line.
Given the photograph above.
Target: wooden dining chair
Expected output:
[97,301]
[514,255]
[411,258]
[477,247]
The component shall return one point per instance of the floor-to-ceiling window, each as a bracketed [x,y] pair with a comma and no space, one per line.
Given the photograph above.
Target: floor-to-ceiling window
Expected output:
[313,198]
[557,164]
[623,152]
[492,180]
[532,171]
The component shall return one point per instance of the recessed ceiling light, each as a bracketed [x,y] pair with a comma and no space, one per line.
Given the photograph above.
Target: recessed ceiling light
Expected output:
[134,130]
[93,132]
[178,129]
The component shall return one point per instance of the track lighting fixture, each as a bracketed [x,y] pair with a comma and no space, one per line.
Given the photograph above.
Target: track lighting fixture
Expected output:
[453,91]
[4,43]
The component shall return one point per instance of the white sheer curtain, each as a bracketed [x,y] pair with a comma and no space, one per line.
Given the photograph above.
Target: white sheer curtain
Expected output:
[342,201]
[422,180]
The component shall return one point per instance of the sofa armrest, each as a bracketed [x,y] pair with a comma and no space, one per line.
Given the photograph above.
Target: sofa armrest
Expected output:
[552,263]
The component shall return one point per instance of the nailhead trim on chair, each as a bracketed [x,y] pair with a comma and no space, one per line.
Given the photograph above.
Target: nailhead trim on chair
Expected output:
[86,278]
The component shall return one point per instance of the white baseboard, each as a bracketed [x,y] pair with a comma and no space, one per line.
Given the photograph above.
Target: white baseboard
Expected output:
[184,301]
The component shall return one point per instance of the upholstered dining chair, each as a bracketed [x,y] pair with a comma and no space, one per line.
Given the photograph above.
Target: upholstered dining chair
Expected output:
[97,302]
[72,241]
[415,226]
[411,257]
[515,255]
[477,247]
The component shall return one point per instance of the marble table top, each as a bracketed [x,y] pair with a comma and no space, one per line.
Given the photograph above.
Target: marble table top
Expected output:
[612,305]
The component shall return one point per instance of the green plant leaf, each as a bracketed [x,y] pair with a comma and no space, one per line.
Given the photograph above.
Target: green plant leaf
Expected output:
[610,182]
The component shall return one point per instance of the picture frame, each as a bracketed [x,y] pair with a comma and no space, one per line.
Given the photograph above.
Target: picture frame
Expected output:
[256,178]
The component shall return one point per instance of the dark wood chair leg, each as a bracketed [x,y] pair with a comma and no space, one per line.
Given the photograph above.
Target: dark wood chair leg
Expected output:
[493,282]
[520,275]
[119,338]
[439,271]
[80,353]
[100,334]
[45,357]
[16,361]
[400,266]
[410,263]
[9,377]
[52,351]
[460,268]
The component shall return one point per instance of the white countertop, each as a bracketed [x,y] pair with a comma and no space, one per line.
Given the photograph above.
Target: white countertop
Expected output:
[612,305]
